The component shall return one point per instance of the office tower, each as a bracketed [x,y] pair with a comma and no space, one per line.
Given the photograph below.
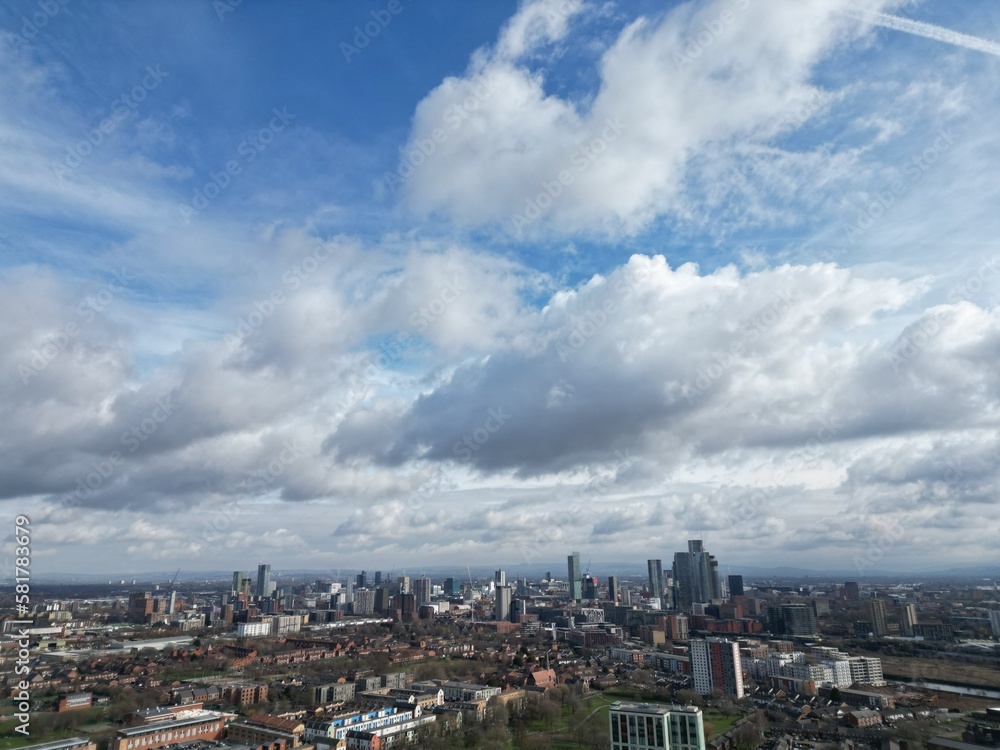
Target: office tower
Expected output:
[614,589]
[501,605]
[378,578]
[450,587]
[589,589]
[716,667]
[655,569]
[263,581]
[422,588]
[875,609]
[500,577]
[575,583]
[364,602]
[404,585]
[852,591]
[638,726]
[237,583]
[791,619]
[907,619]
[362,580]
[735,586]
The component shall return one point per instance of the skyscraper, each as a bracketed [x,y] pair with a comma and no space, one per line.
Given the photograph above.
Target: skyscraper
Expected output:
[875,609]
[614,589]
[404,584]
[263,581]
[696,576]
[575,582]
[907,619]
[589,588]
[237,583]
[735,586]
[501,606]
[362,580]
[655,569]
[422,588]
[716,667]
[364,602]
[500,577]
[378,578]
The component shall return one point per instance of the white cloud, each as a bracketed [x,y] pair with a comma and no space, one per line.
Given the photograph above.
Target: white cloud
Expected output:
[713,76]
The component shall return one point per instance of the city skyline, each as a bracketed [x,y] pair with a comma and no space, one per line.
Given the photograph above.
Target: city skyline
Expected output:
[440,283]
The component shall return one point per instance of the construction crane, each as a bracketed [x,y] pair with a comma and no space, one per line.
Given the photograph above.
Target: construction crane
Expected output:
[174,579]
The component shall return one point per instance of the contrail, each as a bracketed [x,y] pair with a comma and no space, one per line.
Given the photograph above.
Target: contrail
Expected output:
[939,33]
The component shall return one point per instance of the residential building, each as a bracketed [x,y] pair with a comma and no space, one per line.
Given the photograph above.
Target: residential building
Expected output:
[614,589]
[574,577]
[655,571]
[422,588]
[364,602]
[465,692]
[875,610]
[263,581]
[180,726]
[501,609]
[907,619]
[716,667]
[792,619]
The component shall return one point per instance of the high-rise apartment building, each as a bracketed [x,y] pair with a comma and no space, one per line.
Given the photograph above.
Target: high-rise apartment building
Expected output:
[501,606]
[404,585]
[382,599]
[791,619]
[907,619]
[643,726]
[500,578]
[696,577]
[875,610]
[263,581]
[422,588]
[364,602]
[716,667]
[614,589]
[655,570]
[574,577]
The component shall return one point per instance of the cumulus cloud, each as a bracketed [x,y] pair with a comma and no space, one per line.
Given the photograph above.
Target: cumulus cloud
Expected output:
[715,78]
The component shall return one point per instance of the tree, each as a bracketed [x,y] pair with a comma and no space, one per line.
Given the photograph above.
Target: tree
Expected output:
[689,697]
[549,712]
[836,696]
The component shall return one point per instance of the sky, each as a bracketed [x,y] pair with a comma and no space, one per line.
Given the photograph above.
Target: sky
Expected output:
[395,284]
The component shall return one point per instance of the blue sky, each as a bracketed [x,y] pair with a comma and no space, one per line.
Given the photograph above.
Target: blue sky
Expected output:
[696,235]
